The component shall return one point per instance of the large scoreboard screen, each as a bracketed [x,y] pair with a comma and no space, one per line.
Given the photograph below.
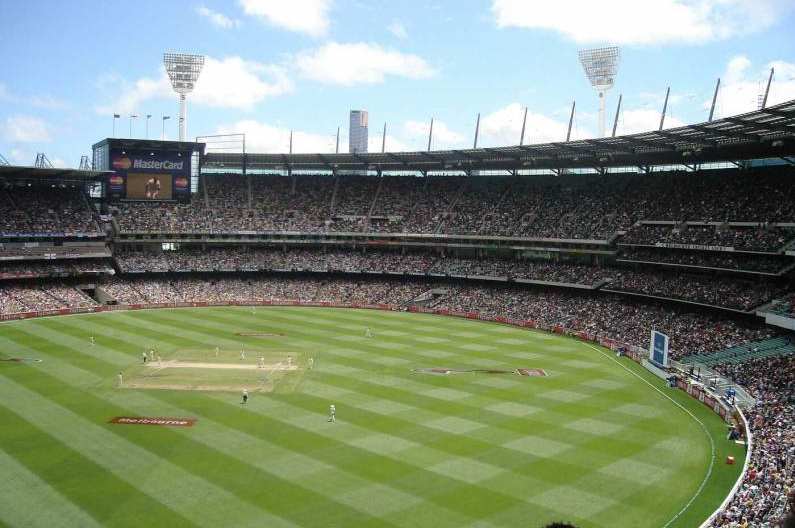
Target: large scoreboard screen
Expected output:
[149,175]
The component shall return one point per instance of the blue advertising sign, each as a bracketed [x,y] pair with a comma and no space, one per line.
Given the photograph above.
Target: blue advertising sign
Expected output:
[658,349]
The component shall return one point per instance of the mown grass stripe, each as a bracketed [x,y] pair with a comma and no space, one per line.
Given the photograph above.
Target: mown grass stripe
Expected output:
[86,484]
[202,502]
[22,492]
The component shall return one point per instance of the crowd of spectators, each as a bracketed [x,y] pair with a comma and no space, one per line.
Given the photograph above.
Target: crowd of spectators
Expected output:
[729,292]
[239,258]
[762,498]
[711,259]
[736,292]
[762,239]
[59,268]
[225,289]
[36,297]
[569,206]
[45,211]
[785,305]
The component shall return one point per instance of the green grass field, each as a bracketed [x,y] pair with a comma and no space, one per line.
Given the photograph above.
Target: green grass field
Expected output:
[598,442]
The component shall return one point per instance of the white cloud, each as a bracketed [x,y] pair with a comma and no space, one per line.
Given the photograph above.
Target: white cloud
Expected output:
[218,19]
[504,127]
[741,86]
[26,129]
[398,29]
[236,83]
[227,83]
[302,16]
[443,136]
[267,138]
[393,144]
[641,22]
[359,63]
[633,121]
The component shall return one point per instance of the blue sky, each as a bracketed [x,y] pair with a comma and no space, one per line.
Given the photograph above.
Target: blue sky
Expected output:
[276,65]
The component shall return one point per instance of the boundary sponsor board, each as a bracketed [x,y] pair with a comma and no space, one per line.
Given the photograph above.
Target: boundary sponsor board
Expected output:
[658,349]
[156,420]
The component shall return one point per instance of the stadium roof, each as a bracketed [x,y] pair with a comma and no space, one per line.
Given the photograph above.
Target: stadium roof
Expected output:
[150,144]
[48,175]
[767,133]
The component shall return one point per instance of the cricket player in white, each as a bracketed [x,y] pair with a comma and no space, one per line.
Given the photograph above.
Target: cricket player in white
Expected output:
[143,354]
[367,332]
[92,340]
[151,354]
[242,353]
[121,380]
[311,363]
[332,413]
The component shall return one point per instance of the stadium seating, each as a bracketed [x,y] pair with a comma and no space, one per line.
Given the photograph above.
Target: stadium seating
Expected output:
[566,207]
[767,487]
[45,211]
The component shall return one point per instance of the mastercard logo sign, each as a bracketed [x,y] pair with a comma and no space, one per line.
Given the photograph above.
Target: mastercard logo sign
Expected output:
[116,180]
[181,183]
[122,163]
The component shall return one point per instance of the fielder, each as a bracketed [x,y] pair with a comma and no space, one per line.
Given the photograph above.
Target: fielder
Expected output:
[245,397]
[332,413]
[367,332]
[121,379]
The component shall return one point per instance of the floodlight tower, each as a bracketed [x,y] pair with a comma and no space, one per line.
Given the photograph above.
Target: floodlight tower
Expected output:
[600,65]
[183,71]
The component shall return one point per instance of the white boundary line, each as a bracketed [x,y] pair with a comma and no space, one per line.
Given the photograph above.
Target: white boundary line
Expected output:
[694,417]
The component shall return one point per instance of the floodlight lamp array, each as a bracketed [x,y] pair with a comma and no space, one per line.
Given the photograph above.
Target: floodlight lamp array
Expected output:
[183,70]
[600,65]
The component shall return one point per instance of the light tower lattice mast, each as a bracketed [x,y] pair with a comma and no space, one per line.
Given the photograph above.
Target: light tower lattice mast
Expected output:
[183,71]
[600,65]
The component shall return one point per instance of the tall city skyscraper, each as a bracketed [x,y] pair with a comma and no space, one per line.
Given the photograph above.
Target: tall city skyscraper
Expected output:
[357,132]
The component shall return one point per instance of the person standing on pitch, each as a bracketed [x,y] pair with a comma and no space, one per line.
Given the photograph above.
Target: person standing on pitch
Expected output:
[332,413]
[92,340]
[245,397]
[216,351]
[121,379]
[151,354]
[242,354]
[143,354]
